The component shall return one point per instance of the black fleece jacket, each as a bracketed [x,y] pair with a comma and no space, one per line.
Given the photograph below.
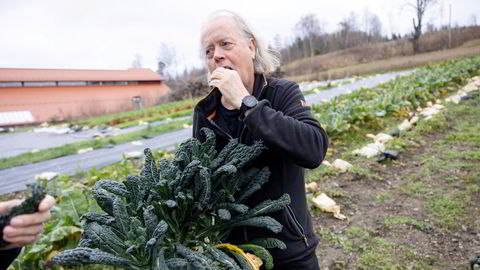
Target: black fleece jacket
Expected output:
[8,256]
[295,141]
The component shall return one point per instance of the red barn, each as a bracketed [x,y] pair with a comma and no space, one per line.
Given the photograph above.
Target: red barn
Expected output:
[38,95]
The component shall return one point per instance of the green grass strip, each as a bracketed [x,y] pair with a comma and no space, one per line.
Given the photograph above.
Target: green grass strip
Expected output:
[156,113]
[71,149]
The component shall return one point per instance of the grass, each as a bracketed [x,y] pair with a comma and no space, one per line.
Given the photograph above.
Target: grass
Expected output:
[390,64]
[373,252]
[151,114]
[315,174]
[415,189]
[18,129]
[433,125]
[448,210]
[71,149]
[469,155]
[433,199]
[457,152]
[470,137]
[152,119]
[463,37]
[454,161]
[384,255]
[393,221]
[329,86]
[319,89]
[383,197]
[398,144]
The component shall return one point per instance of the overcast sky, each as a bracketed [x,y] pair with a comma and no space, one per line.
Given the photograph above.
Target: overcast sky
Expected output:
[107,34]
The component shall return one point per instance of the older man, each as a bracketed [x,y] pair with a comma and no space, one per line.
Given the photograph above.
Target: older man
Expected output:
[248,105]
[23,229]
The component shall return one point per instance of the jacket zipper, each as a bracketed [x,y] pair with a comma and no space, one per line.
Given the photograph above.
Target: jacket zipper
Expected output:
[298,226]
[241,141]
[213,123]
[220,129]
[259,94]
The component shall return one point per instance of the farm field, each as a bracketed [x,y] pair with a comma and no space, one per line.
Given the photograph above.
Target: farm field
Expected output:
[416,212]
[419,211]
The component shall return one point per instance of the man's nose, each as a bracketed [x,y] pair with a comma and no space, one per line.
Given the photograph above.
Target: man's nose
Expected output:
[218,54]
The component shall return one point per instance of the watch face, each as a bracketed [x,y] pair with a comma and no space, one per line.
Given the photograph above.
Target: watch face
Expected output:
[250,101]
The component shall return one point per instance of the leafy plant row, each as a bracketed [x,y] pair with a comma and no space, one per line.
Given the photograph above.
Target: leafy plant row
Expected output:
[397,97]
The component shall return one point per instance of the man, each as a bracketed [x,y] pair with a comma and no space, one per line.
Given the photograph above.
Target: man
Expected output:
[23,229]
[247,105]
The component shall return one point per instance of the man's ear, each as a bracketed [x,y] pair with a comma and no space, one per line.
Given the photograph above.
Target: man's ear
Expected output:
[252,46]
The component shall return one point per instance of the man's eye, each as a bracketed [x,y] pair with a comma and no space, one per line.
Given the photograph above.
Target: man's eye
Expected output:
[226,44]
[208,53]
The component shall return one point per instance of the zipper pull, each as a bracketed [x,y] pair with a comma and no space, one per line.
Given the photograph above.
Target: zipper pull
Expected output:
[305,240]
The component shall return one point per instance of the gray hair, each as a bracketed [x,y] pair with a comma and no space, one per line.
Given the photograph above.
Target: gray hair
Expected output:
[266,59]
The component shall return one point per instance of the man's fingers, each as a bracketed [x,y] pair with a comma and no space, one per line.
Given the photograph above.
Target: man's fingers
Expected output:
[218,73]
[46,203]
[219,70]
[11,231]
[213,82]
[30,219]
[8,205]
[217,84]
[21,240]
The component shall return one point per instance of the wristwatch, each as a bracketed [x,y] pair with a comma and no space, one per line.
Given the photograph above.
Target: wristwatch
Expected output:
[248,102]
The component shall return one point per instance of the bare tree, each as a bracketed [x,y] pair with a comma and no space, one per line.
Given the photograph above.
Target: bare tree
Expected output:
[365,20]
[137,61]
[167,60]
[280,47]
[375,27]
[348,26]
[420,7]
[308,27]
[391,23]
[287,55]
[371,25]
[473,19]
[278,42]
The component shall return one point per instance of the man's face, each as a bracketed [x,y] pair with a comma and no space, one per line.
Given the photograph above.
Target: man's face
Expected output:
[224,46]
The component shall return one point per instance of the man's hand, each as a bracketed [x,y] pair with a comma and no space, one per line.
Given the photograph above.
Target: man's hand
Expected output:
[24,229]
[230,84]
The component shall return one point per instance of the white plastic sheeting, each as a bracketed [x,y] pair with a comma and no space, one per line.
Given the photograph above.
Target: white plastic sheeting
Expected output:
[16,118]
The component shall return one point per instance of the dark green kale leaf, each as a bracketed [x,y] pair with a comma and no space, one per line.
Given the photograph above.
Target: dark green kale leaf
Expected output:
[28,206]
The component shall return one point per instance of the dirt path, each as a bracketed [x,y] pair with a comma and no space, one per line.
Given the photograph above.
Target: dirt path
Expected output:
[421,211]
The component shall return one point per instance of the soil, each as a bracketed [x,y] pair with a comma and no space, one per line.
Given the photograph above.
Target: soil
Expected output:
[420,211]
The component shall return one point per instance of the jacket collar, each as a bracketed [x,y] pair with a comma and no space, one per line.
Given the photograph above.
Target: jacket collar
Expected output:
[258,86]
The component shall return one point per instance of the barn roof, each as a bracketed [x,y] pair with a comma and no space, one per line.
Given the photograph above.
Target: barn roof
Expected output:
[41,75]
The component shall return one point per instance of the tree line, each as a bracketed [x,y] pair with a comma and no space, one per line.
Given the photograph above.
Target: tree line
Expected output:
[309,39]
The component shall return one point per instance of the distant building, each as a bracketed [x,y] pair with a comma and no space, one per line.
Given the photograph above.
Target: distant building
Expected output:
[39,95]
